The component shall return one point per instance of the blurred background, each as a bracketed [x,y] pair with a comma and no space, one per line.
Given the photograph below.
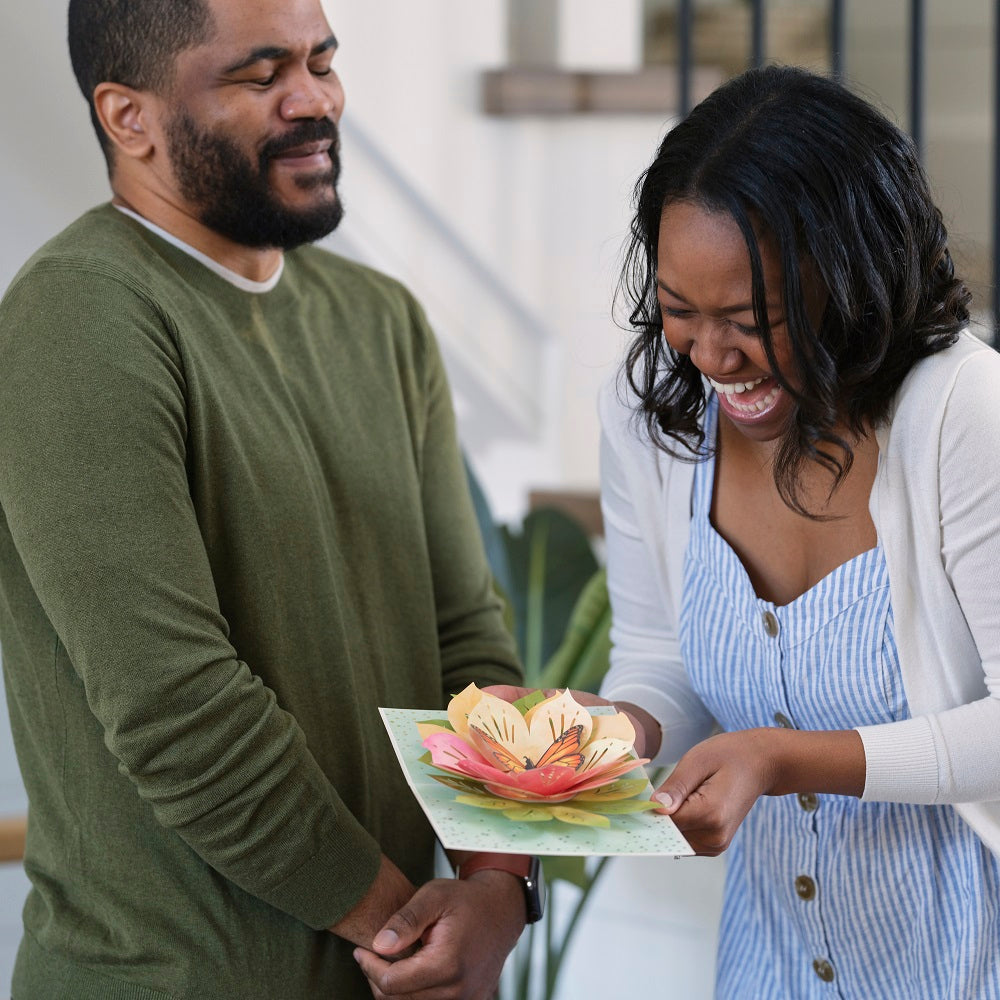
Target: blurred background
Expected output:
[490,151]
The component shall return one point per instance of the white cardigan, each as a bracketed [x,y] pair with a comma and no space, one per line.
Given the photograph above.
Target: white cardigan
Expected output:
[936,508]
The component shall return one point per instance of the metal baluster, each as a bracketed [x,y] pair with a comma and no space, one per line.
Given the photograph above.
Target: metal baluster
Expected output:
[917,52]
[685,23]
[758,47]
[838,38]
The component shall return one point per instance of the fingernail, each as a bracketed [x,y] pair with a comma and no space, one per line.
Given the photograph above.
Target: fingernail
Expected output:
[664,799]
[357,954]
[385,940]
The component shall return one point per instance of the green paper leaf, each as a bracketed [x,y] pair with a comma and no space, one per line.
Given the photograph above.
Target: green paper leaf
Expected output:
[578,817]
[530,700]
[623,788]
[484,802]
[525,814]
[437,722]
[623,807]
[460,784]
[426,758]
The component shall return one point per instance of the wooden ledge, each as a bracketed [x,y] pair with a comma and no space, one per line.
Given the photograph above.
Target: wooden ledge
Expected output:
[550,91]
[12,834]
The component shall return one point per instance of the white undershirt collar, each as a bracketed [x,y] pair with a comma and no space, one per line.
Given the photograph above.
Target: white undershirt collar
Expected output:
[244,284]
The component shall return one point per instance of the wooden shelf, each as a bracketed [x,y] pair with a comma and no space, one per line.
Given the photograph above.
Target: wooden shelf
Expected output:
[550,91]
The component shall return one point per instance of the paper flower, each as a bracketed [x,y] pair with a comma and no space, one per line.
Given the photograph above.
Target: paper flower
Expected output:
[554,752]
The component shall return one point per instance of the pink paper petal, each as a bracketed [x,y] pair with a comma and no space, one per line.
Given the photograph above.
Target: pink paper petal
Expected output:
[450,752]
[590,779]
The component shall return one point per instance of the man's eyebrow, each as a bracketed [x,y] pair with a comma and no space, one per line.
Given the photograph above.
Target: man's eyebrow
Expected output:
[274,53]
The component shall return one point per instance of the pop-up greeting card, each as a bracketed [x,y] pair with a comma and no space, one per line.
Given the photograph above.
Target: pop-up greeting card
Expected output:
[541,776]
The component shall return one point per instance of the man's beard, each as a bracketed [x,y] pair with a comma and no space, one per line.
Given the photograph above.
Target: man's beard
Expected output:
[233,195]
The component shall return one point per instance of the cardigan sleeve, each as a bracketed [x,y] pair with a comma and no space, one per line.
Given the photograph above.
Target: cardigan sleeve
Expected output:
[952,755]
[646,665]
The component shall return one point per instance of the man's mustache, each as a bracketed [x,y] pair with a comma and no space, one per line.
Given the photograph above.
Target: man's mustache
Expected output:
[301,134]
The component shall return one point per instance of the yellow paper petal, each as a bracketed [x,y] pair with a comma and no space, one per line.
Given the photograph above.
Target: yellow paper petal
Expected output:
[624,807]
[603,753]
[501,722]
[459,708]
[615,727]
[580,818]
[552,717]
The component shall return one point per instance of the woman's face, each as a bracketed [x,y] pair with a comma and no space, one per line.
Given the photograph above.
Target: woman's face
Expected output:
[704,289]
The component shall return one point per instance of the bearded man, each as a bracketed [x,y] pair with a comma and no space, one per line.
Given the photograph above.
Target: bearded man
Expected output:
[235,522]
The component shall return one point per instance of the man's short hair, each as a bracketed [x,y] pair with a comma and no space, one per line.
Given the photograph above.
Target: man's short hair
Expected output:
[132,42]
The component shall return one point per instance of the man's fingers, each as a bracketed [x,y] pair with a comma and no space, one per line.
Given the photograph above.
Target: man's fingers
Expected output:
[404,928]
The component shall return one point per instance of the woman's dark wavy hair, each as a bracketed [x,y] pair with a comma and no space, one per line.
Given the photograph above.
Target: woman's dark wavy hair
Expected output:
[828,178]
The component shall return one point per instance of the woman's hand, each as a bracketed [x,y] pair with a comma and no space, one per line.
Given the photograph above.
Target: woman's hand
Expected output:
[716,783]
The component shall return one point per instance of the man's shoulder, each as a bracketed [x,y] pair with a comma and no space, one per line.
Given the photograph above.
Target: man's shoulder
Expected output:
[99,241]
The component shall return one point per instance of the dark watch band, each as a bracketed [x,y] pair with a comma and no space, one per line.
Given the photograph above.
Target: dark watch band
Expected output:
[527,868]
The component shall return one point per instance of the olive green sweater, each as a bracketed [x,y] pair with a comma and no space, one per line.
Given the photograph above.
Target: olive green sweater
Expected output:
[233,525]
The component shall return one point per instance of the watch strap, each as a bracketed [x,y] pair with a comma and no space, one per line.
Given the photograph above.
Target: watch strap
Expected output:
[523,866]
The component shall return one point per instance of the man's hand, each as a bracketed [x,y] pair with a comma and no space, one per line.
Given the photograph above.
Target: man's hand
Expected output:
[390,890]
[464,930]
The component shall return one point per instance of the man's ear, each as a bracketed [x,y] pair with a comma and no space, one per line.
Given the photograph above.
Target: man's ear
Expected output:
[128,118]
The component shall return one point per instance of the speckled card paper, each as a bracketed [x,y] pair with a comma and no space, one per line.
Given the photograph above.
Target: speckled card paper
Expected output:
[465,828]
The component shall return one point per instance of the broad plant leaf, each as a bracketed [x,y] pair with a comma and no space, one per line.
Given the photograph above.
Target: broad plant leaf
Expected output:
[582,659]
[551,559]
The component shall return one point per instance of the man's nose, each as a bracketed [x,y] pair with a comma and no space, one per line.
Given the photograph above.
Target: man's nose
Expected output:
[311,96]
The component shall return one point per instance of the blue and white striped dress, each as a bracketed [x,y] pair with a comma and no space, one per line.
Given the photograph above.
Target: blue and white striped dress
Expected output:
[827,896]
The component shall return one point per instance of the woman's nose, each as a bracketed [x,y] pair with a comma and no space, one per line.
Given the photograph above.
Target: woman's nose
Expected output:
[712,348]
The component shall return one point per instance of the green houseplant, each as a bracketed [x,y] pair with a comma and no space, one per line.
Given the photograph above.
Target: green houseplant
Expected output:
[558,601]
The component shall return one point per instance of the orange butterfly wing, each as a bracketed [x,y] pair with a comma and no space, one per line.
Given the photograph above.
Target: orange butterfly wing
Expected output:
[564,750]
[506,760]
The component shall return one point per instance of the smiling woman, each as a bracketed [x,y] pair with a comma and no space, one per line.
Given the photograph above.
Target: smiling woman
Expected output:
[799,475]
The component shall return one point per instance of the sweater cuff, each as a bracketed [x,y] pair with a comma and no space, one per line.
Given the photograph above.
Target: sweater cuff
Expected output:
[901,762]
[339,873]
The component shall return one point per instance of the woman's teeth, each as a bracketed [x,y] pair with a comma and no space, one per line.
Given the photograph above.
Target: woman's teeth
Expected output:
[731,390]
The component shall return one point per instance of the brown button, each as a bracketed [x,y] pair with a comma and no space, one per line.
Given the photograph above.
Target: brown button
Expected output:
[771,626]
[782,720]
[805,887]
[808,801]
[823,969]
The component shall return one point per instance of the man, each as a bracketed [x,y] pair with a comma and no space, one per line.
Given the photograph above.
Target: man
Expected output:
[234,524]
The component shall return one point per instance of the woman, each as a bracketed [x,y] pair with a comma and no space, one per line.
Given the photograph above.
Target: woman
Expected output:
[801,484]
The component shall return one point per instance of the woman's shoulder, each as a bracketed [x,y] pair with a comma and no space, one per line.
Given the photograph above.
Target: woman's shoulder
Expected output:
[964,377]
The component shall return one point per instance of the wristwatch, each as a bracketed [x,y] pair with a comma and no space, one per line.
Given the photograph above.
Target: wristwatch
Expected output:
[527,868]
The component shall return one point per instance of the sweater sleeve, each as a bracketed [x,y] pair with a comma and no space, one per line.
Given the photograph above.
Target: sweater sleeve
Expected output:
[646,665]
[474,643]
[94,489]
[953,756]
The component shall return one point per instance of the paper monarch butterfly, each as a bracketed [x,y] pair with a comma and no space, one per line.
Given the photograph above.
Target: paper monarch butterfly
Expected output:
[564,751]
